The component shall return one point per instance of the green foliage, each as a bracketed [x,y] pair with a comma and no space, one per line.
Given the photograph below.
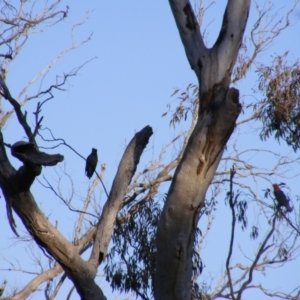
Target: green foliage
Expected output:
[241,207]
[197,291]
[282,252]
[200,292]
[188,102]
[254,232]
[197,261]
[280,113]
[131,261]
[130,264]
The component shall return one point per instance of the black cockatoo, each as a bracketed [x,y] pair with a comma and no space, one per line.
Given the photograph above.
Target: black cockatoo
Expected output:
[91,163]
[281,198]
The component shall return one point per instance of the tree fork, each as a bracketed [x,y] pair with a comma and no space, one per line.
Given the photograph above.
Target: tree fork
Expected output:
[218,110]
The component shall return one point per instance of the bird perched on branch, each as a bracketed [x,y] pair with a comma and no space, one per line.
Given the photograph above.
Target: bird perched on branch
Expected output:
[91,163]
[2,288]
[281,198]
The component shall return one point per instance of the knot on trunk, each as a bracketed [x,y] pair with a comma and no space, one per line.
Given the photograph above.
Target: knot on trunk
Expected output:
[29,154]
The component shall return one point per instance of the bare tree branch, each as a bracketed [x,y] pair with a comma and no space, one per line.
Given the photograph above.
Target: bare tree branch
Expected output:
[117,194]
[232,203]
[4,91]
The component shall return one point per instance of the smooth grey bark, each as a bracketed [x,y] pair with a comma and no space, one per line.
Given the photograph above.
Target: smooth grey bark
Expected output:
[126,170]
[218,110]
[15,185]
[55,271]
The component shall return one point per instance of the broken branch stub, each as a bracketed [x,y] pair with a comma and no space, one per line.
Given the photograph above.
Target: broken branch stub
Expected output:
[126,170]
[29,154]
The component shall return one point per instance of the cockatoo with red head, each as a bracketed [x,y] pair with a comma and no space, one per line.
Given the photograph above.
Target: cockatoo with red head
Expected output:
[281,198]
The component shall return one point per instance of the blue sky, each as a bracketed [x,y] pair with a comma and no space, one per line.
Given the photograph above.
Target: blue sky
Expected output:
[140,60]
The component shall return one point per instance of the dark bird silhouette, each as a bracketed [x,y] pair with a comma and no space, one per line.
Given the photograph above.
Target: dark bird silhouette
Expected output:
[91,163]
[281,198]
[2,288]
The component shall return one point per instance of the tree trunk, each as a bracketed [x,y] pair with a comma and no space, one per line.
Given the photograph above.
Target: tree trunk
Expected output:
[218,110]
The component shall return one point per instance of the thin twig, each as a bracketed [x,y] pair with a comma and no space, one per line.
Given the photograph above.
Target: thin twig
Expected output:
[231,204]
